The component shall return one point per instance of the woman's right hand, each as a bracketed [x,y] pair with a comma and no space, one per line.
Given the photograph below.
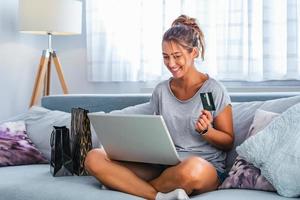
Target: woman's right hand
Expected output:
[204,121]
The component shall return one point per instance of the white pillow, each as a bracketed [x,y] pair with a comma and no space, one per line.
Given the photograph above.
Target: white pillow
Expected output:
[261,119]
[39,124]
[275,151]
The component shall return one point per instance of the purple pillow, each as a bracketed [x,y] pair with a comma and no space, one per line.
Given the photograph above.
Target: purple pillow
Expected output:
[244,174]
[15,146]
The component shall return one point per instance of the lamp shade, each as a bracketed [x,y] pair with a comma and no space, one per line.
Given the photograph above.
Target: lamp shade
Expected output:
[57,17]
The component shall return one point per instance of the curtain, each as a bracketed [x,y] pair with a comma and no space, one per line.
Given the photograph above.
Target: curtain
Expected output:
[249,40]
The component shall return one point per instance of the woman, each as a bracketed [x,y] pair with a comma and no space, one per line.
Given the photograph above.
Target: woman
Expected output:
[201,135]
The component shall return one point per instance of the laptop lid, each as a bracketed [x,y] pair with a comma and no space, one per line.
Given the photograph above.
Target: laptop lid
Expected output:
[136,138]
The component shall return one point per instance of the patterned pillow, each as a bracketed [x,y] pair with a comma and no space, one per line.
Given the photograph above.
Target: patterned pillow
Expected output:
[244,174]
[15,146]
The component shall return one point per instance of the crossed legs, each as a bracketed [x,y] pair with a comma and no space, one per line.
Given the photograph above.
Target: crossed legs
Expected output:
[193,175]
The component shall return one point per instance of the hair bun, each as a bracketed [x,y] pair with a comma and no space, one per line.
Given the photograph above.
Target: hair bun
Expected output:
[186,20]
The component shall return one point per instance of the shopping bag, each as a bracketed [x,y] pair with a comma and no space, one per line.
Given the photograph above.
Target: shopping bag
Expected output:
[61,163]
[81,139]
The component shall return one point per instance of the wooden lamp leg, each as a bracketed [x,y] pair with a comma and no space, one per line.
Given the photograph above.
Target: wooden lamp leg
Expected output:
[60,73]
[39,77]
[47,80]
[43,76]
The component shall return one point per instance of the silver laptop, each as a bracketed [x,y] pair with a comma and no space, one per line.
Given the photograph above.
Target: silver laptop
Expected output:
[136,138]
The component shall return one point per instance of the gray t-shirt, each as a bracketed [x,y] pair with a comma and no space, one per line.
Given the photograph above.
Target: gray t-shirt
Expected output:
[180,118]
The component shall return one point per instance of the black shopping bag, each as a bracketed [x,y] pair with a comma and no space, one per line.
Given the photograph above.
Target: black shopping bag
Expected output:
[61,158]
[81,139]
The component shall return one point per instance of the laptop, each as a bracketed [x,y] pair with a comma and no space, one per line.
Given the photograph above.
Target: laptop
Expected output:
[135,138]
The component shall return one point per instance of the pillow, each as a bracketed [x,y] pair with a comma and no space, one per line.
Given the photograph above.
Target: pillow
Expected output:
[261,119]
[15,146]
[243,114]
[39,123]
[275,151]
[243,174]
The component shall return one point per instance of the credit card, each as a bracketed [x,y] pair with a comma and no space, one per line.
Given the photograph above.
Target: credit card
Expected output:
[207,101]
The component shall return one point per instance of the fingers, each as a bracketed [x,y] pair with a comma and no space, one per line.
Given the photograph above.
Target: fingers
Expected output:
[207,114]
[204,121]
[202,124]
[199,127]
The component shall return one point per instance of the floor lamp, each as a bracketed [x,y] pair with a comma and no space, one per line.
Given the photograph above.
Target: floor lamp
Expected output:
[49,17]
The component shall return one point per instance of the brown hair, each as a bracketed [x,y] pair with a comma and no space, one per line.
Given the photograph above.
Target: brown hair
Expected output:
[187,33]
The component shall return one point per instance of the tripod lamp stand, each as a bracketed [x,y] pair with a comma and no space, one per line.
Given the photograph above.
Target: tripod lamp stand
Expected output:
[49,17]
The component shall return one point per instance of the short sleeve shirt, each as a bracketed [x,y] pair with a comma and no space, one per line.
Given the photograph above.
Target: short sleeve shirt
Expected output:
[180,117]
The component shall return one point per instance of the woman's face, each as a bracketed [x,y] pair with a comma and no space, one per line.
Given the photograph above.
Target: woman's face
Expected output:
[177,59]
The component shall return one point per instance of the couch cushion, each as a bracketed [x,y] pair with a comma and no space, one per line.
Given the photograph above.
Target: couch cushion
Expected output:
[243,114]
[279,105]
[35,182]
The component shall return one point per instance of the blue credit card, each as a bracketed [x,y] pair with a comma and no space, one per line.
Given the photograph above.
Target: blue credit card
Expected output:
[207,101]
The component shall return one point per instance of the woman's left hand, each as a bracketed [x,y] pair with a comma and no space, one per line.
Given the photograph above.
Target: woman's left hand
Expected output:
[204,121]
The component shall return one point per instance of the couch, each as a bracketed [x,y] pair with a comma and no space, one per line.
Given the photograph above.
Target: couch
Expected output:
[34,182]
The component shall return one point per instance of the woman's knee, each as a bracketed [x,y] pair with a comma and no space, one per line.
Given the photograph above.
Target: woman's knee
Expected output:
[93,158]
[189,169]
[195,173]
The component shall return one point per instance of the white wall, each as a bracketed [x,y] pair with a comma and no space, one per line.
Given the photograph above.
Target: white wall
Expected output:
[19,58]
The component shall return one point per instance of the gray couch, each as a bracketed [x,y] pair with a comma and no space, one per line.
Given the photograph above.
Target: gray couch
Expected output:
[34,182]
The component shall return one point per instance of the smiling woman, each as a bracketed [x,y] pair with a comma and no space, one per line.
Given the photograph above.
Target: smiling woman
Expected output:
[247,40]
[200,136]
